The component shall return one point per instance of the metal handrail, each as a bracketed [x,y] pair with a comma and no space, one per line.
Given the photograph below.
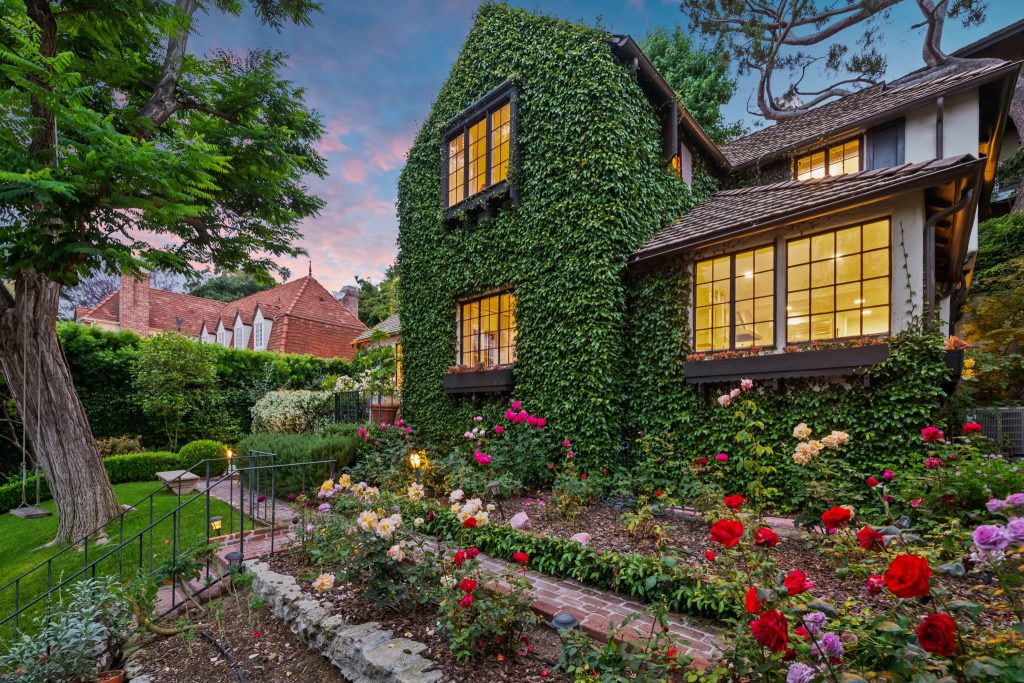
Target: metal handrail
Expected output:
[173,514]
[120,517]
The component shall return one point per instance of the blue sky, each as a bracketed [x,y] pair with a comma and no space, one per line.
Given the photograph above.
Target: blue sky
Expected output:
[372,70]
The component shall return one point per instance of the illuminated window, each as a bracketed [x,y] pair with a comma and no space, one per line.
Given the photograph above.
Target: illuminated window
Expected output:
[836,160]
[837,283]
[501,136]
[398,365]
[488,331]
[735,301]
[478,148]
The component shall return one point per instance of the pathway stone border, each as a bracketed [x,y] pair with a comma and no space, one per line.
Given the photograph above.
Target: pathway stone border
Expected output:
[364,653]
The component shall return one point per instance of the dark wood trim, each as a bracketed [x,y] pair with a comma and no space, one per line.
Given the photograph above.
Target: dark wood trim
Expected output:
[821,363]
[496,381]
[955,364]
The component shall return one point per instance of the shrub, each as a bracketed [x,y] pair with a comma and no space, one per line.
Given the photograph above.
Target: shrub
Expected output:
[119,445]
[291,411]
[140,466]
[76,637]
[300,448]
[197,451]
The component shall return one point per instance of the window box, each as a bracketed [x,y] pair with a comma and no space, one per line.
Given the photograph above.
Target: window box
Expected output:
[481,206]
[490,381]
[818,363]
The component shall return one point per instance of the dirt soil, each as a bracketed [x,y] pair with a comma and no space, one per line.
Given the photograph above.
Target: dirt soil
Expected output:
[687,538]
[535,664]
[260,646]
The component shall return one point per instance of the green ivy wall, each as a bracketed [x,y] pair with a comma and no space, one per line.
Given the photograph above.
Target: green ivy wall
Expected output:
[593,188]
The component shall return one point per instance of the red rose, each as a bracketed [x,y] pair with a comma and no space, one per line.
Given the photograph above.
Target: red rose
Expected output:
[907,576]
[460,557]
[872,482]
[870,539]
[765,536]
[469,523]
[770,630]
[931,434]
[657,494]
[701,461]
[751,602]
[836,518]
[801,631]
[583,476]
[937,634]
[521,557]
[971,428]
[727,532]
[710,556]
[467,601]
[472,553]
[467,585]
[734,502]
[797,582]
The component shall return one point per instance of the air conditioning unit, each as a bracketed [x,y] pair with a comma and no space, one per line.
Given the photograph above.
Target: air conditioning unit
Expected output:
[1005,426]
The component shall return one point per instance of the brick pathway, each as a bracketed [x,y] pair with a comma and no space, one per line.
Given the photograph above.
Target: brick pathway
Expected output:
[595,610]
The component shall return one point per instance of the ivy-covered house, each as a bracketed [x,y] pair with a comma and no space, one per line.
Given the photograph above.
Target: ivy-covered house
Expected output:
[561,241]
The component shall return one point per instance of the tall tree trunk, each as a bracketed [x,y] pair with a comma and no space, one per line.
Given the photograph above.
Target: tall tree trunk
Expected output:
[38,376]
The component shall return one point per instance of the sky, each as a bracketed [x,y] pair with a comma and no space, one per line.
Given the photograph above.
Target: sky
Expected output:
[372,69]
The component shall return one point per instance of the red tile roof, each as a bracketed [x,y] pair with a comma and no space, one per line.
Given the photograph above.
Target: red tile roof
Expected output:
[307,318]
[743,210]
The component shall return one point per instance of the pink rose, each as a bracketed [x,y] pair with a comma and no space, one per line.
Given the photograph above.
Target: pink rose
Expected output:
[467,601]
[516,405]
[498,429]
[482,458]
[734,393]
[725,400]
[888,475]
[721,457]
[567,443]
[541,423]
[932,434]
[916,502]
[510,415]
[746,384]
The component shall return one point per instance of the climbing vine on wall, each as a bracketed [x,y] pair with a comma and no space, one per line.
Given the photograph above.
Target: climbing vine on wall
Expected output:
[593,187]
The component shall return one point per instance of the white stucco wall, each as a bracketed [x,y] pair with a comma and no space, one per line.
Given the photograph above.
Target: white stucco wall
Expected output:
[906,295]
[960,128]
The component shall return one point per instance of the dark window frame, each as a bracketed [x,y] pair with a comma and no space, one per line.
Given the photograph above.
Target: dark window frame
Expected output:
[505,93]
[478,299]
[828,148]
[732,298]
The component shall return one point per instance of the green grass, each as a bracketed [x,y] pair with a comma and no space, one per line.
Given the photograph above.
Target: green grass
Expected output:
[22,544]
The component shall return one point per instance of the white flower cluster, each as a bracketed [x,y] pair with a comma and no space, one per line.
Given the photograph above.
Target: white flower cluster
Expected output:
[473,507]
[809,448]
[289,411]
[415,492]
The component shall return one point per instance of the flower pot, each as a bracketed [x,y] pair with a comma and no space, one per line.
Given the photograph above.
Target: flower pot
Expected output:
[112,676]
[383,413]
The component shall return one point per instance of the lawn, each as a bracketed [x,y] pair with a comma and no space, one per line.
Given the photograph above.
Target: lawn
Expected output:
[22,544]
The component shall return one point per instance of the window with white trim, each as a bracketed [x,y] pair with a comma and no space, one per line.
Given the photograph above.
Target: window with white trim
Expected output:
[257,336]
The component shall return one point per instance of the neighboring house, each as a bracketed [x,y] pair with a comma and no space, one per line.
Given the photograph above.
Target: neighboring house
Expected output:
[387,332]
[300,316]
[838,227]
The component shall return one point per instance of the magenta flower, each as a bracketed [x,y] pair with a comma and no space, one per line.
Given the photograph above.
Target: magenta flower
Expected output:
[498,429]
[722,457]
[510,415]
[567,443]
[888,475]
[482,458]
[516,405]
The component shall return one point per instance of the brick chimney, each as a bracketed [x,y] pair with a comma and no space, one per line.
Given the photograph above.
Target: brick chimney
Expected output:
[134,304]
[350,298]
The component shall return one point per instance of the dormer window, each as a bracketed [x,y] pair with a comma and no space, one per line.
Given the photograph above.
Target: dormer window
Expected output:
[831,161]
[257,336]
[478,147]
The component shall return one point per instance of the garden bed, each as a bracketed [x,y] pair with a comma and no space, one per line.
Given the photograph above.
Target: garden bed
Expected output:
[686,539]
[262,647]
[420,624]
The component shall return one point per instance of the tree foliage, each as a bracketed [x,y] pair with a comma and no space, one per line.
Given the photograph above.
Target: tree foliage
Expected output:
[776,40]
[378,301]
[122,151]
[231,286]
[700,77]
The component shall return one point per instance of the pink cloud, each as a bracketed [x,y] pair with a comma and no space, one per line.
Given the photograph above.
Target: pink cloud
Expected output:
[331,144]
[389,153]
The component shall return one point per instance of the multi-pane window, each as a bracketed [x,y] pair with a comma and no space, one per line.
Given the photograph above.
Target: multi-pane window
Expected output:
[488,331]
[478,154]
[837,283]
[257,336]
[835,160]
[735,301]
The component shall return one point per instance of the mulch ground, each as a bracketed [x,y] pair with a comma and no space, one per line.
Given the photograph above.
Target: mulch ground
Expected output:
[419,624]
[261,647]
[687,538]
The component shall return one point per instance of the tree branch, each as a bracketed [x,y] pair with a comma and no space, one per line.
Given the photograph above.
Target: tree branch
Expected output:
[206,109]
[935,17]
[162,103]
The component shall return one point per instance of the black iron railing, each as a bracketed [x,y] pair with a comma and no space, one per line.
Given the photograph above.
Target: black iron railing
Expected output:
[360,407]
[259,511]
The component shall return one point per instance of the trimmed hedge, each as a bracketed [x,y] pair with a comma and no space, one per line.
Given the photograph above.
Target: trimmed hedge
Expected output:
[121,469]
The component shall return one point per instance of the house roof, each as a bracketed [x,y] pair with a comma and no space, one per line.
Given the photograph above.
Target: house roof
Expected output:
[992,40]
[390,326]
[749,209]
[165,307]
[861,109]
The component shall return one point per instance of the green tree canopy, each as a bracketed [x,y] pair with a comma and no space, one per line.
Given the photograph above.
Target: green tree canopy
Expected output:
[377,302]
[701,78]
[231,286]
